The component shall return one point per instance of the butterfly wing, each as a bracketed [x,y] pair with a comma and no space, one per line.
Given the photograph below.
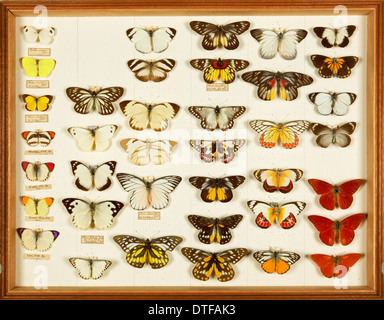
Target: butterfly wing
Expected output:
[84,138]
[46,35]
[139,199]
[161,113]
[326,192]
[137,113]
[207,187]
[223,269]
[269,42]
[160,190]
[343,34]
[103,174]
[265,214]
[80,211]
[343,132]
[223,233]
[229,33]
[226,149]
[137,253]
[326,228]
[45,67]
[30,33]
[348,227]
[206,226]
[289,41]
[103,136]
[324,133]
[346,191]
[288,213]
[161,38]
[104,213]
[141,38]
[265,81]
[30,66]
[83,175]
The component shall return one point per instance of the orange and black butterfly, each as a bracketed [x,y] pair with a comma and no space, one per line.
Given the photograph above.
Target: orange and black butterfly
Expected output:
[220,35]
[334,67]
[276,260]
[218,68]
[217,264]
[216,188]
[215,229]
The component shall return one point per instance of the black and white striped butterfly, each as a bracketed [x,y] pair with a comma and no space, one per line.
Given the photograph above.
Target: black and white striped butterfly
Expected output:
[94,98]
[87,215]
[217,117]
[144,251]
[151,70]
[148,191]
[93,176]
[90,268]
[215,229]
[220,35]
[151,38]
[339,135]
[332,102]
[335,37]
[38,137]
[38,239]
[278,41]
[218,264]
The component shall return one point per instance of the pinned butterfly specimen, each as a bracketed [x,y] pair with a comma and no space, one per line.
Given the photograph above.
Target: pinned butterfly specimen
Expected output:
[268,213]
[220,35]
[93,176]
[151,70]
[148,191]
[87,215]
[90,268]
[37,171]
[339,135]
[38,239]
[217,117]
[215,69]
[280,41]
[44,36]
[94,98]
[151,39]
[332,102]
[278,179]
[334,67]
[287,133]
[33,103]
[142,152]
[335,266]
[335,37]
[213,189]
[144,251]
[38,137]
[147,115]
[217,150]
[93,138]
[218,264]
[334,196]
[276,260]
[272,84]
[38,67]
[332,232]
[215,229]
[37,207]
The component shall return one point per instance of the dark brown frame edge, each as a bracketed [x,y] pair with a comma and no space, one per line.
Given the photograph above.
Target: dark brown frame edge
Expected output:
[11,9]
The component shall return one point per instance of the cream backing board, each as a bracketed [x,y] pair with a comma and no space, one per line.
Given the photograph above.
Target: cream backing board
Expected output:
[94,51]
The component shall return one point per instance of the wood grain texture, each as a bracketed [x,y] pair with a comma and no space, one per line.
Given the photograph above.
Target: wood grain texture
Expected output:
[375,70]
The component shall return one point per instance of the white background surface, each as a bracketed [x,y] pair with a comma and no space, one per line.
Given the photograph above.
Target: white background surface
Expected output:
[95,51]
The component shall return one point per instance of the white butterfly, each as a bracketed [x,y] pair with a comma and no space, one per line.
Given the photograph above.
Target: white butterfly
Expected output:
[217,117]
[332,102]
[94,137]
[94,98]
[148,191]
[37,171]
[38,137]
[335,37]
[151,70]
[45,36]
[90,268]
[278,40]
[151,38]
[142,152]
[92,214]
[88,176]
[37,239]
[147,115]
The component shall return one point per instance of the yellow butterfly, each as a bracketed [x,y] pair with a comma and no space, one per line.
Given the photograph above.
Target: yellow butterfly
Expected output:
[38,207]
[38,68]
[36,103]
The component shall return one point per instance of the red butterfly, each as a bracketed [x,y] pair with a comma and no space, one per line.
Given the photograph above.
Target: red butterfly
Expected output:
[335,266]
[337,231]
[333,196]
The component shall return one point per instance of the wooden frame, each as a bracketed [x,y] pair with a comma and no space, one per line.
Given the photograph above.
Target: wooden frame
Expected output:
[374,11]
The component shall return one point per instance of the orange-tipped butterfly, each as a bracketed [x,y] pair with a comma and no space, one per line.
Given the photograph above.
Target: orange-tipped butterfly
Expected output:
[337,67]
[333,196]
[37,171]
[335,266]
[332,232]
[278,179]
[37,207]
[276,260]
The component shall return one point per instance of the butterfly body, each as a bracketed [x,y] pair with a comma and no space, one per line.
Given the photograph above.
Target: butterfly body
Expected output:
[332,232]
[144,251]
[213,189]
[276,260]
[209,264]
[334,196]
[335,266]
[278,179]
